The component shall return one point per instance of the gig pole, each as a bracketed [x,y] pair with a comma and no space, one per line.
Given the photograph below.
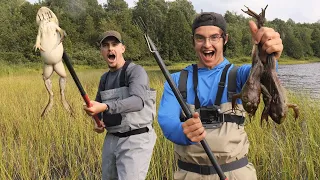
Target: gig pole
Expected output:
[77,81]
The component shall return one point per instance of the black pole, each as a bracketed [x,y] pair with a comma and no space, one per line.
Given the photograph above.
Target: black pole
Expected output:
[80,88]
[183,105]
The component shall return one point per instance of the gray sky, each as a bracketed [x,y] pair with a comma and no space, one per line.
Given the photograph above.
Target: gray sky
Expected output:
[300,11]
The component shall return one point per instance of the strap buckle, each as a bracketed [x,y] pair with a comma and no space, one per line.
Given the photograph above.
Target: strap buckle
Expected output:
[211,117]
[221,84]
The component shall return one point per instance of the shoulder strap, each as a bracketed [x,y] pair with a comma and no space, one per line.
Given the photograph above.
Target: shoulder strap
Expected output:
[232,82]
[221,85]
[104,80]
[183,84]
[195,85]
[123,73]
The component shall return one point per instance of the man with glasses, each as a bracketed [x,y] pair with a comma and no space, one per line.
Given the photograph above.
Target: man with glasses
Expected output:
[207,88]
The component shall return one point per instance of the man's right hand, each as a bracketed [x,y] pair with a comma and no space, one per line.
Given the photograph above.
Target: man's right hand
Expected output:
[99,129]
[193,128]
[95,108]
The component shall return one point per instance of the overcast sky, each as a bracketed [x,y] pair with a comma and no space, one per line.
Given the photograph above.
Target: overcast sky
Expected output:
[300,11]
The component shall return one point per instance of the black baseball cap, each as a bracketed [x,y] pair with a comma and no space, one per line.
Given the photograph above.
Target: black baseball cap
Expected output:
[209,19]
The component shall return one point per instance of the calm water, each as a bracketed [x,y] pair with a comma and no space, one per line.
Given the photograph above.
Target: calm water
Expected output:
[302,78]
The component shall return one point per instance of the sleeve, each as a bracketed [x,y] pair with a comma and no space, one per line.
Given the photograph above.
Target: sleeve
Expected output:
[100,88]
[169,117]
[138,85]
[243,74]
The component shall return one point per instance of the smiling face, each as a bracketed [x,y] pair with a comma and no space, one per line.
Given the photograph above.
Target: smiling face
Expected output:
[112,51]
[208,44]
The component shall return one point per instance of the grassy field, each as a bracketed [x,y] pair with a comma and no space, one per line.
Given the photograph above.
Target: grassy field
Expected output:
[64,147]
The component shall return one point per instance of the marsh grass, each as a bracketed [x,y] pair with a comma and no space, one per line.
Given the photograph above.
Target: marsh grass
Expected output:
[64,147]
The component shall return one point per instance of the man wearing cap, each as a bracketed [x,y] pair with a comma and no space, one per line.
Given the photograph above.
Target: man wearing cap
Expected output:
[127,105]
[206,89]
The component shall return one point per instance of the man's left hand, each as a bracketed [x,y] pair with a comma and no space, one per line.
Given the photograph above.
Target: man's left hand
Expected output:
[268,38]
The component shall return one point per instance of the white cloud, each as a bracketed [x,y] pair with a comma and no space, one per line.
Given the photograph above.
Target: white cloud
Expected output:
[299,11]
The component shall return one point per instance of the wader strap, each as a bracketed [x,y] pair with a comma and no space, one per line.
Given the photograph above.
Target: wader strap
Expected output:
[232,118]
[232,82]
[195,85]
[221,85]
[232,85]
[123,73]
[183,84]
[208,170]
[130,133]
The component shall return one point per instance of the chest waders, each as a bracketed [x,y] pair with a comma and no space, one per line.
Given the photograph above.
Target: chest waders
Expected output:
[211,116]
[132,123]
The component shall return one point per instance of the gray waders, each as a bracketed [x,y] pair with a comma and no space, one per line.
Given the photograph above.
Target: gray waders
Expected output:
[128,145]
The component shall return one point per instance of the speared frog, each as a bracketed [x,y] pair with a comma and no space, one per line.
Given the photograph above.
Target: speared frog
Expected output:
[251,90]
[275,99]
[49,42]
[276,106]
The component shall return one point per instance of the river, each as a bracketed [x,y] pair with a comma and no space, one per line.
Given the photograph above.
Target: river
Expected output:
[301,78]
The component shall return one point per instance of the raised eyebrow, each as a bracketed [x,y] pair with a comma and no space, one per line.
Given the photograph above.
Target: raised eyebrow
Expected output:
[114,43]
[198,36]
[104,44]
[217,34]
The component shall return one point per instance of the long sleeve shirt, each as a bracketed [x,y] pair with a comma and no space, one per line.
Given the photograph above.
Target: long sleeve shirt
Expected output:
[208,80]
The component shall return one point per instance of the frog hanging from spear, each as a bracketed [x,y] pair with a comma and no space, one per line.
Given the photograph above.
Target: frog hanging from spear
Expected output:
[49,42]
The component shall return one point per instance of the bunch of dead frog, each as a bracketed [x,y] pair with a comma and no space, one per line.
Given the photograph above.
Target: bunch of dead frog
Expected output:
[263,79]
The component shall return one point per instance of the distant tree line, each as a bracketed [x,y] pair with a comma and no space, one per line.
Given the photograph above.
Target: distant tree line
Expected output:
[169,25]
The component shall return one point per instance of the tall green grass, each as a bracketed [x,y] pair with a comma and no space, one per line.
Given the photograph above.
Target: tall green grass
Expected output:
[64,147]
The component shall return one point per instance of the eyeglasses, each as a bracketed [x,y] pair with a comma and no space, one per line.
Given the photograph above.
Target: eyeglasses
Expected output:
[213,39]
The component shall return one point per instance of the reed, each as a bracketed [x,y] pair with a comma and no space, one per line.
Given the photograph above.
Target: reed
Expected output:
[64,147]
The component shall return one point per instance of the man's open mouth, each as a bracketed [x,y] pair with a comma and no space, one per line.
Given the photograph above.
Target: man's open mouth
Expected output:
[208,54]
[111,57]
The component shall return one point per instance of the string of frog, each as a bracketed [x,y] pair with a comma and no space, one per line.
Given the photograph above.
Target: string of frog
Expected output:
[263,79]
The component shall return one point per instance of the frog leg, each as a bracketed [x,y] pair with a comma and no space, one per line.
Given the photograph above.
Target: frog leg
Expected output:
[47,72]
[250,13]
[234,99]
[259,17]
[267,101]
[60,70]
[295,109]
[38,40]
[62,33]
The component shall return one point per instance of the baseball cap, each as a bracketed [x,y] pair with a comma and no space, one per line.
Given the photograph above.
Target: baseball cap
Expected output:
[110,34]
[209,19]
